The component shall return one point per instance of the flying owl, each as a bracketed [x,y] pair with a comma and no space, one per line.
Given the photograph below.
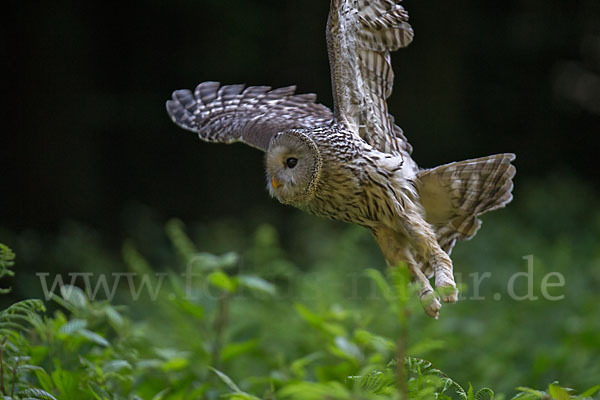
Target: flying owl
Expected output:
[354,164]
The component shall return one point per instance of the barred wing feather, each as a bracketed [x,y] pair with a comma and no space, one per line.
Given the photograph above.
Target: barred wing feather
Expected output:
[360,36]
[227,114]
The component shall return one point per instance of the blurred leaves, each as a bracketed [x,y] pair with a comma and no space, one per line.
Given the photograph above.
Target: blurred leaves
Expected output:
[252,324]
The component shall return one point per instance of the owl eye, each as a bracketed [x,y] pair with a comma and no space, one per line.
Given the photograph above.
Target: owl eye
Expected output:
[291,162]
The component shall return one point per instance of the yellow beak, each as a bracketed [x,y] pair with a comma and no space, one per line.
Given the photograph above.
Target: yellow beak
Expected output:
[274,182]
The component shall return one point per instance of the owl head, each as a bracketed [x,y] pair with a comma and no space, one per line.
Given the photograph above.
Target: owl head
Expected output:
[293,165]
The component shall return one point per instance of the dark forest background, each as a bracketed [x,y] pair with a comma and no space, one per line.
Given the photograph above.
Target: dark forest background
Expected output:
[86,135]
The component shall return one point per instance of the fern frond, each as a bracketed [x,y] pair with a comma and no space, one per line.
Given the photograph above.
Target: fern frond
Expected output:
[36,394]
[377,382]
[7,258]
[20,314]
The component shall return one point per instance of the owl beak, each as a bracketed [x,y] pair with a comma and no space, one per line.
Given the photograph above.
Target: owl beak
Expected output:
[274,182]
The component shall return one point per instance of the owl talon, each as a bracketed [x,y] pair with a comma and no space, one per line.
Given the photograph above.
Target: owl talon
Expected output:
[444,281]
[431,304]
[449,294]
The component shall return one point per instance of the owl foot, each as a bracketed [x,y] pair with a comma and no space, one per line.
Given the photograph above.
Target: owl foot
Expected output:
[449,294]
[444,280]
[431,303]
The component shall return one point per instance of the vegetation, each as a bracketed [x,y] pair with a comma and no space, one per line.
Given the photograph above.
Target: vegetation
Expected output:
[315,317]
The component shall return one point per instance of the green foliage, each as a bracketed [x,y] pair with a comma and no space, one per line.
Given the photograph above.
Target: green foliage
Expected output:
[554,392]
[7,258]
[252,324]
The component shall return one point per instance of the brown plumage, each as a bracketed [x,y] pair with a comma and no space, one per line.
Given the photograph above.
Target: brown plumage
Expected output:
[354,164]
[455,194]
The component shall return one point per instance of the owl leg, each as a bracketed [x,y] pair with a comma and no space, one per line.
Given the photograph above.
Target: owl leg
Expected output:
[396,250]
[423,239]
[429,299]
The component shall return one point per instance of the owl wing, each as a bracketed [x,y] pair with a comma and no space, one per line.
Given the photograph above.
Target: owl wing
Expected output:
[360,36]
[454,195]
[227,114]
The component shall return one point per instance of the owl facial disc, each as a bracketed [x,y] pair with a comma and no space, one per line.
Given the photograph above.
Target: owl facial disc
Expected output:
[293,165]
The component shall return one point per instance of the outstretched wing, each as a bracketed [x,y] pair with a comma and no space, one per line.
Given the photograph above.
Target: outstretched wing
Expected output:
[227,114]
[454,195]
[360,36]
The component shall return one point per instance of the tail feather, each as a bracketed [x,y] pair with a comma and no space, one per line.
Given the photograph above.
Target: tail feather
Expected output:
[455,194]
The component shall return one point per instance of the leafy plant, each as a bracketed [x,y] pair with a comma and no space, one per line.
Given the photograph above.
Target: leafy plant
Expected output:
[249,323]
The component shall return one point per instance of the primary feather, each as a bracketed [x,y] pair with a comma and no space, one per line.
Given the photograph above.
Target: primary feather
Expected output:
[359,41]
[253,115]
[454,195]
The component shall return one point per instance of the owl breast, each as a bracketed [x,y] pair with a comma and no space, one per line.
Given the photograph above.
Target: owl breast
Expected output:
[360,185]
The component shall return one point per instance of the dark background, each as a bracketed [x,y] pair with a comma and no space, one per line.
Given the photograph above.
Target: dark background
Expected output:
[86,135]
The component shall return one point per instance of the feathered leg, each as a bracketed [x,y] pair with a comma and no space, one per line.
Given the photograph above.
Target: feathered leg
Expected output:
[396,249]
[423,239]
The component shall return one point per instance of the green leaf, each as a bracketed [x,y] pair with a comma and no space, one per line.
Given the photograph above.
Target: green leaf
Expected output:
[376,381]
[161,395]
[226,380]
[308,315]
[175,364]
[557,392]
[97,391]
[94,337]
[66,382]
[298,366]
[73,326]
[346,349]
[530,390]
[237,392]
[590,392]
[7,257]
[379,343]
[232,350]
[114,317]
[14,318]
[484,394]
[36,393]
[134,259]
[6,262]
[241,396]
[314,391]
[470,395]
[257,284]
[331,329]
[189,307]
[211,262]
[222,281]
[175,229]
[28,367]
[44,379]
[74,295]
[169,353]
[538,394]
[116,366]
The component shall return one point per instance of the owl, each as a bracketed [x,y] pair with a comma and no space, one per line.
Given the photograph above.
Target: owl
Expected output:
[354,164]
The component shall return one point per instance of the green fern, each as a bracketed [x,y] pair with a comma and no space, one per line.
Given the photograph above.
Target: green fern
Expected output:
[18,316]
[377,382]
[7,258]
[36,394]
[14,320]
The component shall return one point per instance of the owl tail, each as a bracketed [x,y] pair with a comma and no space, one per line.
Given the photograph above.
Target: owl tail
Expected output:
[455,194]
